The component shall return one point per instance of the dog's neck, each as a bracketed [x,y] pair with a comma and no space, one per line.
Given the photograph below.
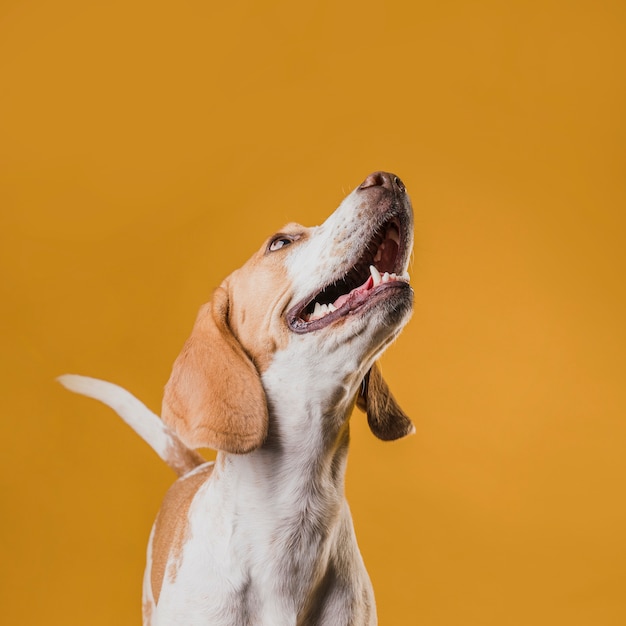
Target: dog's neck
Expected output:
[300,466]
[300,539]
[292,488]
[298,474]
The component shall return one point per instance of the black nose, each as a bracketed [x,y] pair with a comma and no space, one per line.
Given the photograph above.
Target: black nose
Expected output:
[383,179]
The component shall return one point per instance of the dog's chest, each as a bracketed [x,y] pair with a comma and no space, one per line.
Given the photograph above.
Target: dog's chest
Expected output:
[254,560]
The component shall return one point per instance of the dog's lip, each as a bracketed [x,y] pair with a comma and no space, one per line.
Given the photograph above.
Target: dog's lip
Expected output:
[356,305]
[360,297]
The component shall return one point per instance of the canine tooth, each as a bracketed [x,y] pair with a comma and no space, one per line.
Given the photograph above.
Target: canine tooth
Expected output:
[375,275]
[379,255]
[386,277]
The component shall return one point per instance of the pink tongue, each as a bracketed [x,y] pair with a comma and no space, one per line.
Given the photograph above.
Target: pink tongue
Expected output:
[341,300]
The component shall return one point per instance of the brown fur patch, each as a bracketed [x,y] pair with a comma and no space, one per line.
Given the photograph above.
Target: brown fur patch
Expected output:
[171,527]
[181,459]
[146,613]
[214,397]
[385,417]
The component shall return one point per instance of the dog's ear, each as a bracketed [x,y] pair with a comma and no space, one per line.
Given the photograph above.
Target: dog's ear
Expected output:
[214,397]
[384,415]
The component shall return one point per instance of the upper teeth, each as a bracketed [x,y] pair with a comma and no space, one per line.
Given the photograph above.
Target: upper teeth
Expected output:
[375,275]
[378,279]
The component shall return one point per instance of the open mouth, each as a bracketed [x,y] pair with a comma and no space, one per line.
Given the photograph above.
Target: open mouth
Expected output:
[377,273]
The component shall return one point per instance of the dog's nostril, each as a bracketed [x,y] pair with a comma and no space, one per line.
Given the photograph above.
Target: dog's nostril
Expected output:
[383,179]
[399,184]
[376,179]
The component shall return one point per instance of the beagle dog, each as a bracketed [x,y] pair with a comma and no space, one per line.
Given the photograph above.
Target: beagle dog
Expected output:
[269,378]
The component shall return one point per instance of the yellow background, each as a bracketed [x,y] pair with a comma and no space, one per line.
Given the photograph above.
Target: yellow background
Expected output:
[146,149]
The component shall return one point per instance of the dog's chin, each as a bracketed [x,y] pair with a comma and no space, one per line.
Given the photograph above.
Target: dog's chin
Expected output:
[395,307]
[375,325]
[386,314]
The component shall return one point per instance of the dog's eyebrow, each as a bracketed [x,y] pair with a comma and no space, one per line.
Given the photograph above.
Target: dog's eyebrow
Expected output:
[287,235]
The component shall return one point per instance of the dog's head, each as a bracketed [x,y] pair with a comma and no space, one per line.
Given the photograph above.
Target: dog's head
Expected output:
[313,308]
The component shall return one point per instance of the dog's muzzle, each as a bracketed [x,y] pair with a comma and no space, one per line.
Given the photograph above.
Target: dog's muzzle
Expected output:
[378,267]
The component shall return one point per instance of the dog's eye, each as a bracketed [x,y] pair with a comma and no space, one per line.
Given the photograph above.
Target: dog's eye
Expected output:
[279,242]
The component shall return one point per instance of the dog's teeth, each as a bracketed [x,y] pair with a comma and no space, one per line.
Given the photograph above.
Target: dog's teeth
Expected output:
[379,255]
[320,310]
[375,275]
[393,276]
[386,277]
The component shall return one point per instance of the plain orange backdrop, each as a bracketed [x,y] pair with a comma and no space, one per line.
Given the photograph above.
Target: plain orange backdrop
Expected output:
[147,148]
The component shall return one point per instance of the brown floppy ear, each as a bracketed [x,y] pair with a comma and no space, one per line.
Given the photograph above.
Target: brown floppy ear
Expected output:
[214,397]
[385,417]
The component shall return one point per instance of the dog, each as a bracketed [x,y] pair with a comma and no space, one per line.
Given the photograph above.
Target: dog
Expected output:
[269,377]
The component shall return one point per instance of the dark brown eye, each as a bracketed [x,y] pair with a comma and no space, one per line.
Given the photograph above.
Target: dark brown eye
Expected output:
[279,242]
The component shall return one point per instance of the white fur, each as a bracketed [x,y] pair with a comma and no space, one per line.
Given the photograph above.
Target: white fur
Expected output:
[138,416]
[270,540]
[286,502]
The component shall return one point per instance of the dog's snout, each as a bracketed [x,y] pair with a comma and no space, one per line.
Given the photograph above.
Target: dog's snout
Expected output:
[383,179]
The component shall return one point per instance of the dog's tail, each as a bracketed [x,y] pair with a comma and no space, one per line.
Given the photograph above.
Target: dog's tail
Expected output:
[147,424]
